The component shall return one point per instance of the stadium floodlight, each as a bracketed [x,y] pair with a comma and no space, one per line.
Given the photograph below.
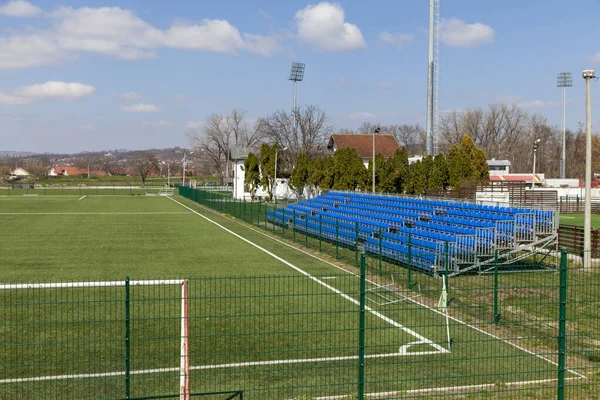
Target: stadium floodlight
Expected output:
[588,75]
[183,165]
[296,75]
[275,173]
[377,130]
[564,80]
[536,143]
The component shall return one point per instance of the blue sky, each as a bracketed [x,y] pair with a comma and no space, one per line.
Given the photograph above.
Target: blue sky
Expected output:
[138,74]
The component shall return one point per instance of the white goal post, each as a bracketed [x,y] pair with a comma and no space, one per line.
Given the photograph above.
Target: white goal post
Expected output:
[184,366]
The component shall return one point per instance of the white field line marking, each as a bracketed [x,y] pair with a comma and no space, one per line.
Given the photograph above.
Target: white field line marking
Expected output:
[455,389]
[409,299]
[98,213]
[390,321]
[566,217]
[207,367]
[82,197]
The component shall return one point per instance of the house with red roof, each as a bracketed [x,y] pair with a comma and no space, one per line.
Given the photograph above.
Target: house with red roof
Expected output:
[385,144]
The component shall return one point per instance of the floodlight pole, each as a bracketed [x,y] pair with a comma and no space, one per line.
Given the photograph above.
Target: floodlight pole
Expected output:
[183,165]
[296,75]
[374,132]
[588,75]
[535,146]
[564,80]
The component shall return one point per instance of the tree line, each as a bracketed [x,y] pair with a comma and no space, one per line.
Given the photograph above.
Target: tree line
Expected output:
[500,131]
[345,170]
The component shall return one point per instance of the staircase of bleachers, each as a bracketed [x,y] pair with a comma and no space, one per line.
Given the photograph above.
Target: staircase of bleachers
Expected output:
[429,234]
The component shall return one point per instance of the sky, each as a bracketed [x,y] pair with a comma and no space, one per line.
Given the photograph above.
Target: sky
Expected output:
[137,74]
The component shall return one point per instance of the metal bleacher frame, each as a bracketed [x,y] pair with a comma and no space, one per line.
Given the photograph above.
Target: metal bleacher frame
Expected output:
[459,232]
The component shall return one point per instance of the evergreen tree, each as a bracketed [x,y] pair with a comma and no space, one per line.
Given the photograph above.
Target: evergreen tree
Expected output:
[252,175]
[348,170]
[299,178]
[267,167]
[427,166]
[466,162]
[438,180]
[379,173]
[395,172]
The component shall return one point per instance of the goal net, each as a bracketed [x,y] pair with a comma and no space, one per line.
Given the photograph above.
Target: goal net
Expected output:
[113,338]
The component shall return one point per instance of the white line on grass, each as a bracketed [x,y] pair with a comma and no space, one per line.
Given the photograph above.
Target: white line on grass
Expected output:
[82,197]
[423,339]
[410,299]
[207,367]
[458,389]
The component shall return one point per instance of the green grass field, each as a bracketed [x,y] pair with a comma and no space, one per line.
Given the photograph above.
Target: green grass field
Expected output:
[577,219]
[264,317]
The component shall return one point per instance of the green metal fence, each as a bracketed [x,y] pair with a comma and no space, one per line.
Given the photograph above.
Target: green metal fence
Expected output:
[546,305]
[80,190]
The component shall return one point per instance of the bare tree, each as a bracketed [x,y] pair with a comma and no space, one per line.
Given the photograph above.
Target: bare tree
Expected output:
[305,131]
[219,134]
[37,168]
[145,163]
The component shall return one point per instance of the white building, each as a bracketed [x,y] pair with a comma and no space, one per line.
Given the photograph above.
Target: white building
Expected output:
[498,167]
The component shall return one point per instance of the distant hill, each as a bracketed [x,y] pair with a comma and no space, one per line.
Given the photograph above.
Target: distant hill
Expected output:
[10,153]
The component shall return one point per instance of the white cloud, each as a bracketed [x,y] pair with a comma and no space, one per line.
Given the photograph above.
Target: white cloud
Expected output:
[194,124]
[26,51]
[59,90]
[388,85]
[595,58]
[457,33]
[395,39]
[13,100]
[141,108]
[130,96]
[158,124]
[362,115]
[323,26]
[120,33]
[20,8]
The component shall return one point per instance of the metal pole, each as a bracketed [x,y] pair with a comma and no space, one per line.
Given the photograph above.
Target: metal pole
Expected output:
[563,169]
[496,314]
[169,175]
[361,328]
[127,342]
[533,173]
[562,324]
[587,238]
[373,161]
[183,171]
[275,176]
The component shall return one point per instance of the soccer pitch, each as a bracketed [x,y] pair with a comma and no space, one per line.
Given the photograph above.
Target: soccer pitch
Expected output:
[264,318]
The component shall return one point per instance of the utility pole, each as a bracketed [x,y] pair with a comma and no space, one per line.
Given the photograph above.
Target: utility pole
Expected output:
[377,130]
[588,75]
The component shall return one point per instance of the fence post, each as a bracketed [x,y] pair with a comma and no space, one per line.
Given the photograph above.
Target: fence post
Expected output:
[496,315]
[306,230]
[259,211]
[361,328]
[244,209]
[380,251]
[127,342]
[251,207]
[337,243]
[356,244]
[294,226]
[320,233]
[282,222]
[562,324]
[409,278]
[447,262]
